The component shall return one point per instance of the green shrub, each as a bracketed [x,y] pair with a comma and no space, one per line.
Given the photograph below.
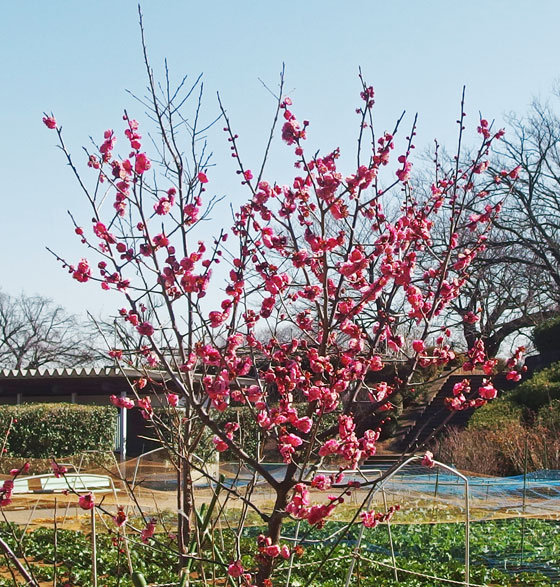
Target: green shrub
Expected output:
[496,414]
[546,336]
[57,430]
[540,389]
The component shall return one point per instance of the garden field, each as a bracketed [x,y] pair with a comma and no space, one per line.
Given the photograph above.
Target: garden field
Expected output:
[503,552]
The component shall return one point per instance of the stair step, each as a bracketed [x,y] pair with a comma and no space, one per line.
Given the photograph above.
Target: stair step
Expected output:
[436,412]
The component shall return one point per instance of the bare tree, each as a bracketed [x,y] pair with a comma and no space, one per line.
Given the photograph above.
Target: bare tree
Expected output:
[35,332]
[526,242]
[531,216]
[502,298]
[513,283]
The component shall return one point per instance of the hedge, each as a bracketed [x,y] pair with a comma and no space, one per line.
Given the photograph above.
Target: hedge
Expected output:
[546,336]
[540,389]
[56,430]
[496,415]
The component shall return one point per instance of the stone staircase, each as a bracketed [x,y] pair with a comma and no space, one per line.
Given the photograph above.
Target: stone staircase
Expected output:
[431,419]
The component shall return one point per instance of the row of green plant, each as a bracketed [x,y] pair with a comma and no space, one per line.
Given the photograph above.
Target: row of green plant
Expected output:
[59,430]
[428,549]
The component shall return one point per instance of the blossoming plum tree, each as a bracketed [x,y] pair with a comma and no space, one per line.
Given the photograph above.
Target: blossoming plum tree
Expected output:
[323,291]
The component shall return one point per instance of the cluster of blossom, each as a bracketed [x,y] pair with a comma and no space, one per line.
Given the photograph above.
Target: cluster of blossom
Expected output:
[292,131]
[8,485]
[144,328]
[86,501]
[120,518]
[230,429]
[428,459]
[49,122]
[82,272]
[148,530]
[122,402]
[144,404]
[371,519]
[440,355]
[58,470]
[182,276]
[300,506]
[164,205]
[367,95]
[476,356]
[266,548]
[461,393]
[125,174]
[347,445]
[515,365]
[236,570]
[395,253]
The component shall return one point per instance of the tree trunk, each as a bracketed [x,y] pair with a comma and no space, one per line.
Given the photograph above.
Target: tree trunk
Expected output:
[187,507]
[185,502]
[274,528]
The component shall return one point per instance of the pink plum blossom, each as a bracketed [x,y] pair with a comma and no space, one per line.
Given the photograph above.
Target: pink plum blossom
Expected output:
[428,459]
[49,122]
[235,569]
[86,501]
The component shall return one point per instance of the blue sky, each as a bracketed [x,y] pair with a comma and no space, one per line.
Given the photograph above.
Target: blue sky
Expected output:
[78,58]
